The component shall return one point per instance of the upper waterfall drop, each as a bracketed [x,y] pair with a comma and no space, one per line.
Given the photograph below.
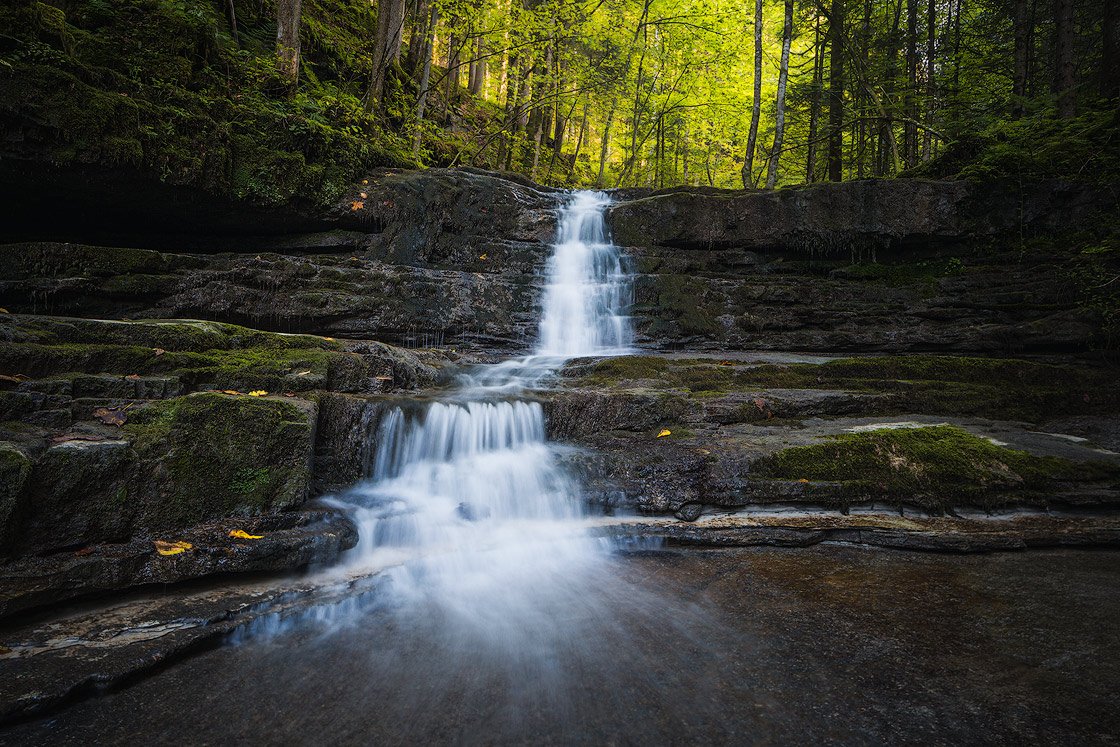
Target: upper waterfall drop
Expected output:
[587,291]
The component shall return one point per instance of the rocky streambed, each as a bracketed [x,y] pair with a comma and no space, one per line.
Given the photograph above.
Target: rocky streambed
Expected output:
[867,364]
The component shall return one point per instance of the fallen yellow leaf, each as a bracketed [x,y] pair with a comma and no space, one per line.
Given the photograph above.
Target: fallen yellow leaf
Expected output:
[230,391]
[483,256]
[171,548]
[364,195]
[257,393]
[357,205]
[242,534]
[664,432]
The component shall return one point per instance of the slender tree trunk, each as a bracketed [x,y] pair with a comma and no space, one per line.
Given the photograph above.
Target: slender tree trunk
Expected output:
[836,92]
[580,140]
[780,112]
[231,14]
[387,47]
[287,40]
[425,54]
[909,127]
[605,145]
[1110,51]
[756,107]
[478,69]
[931,38]
[1021,22]
[1064,65]
[815,103]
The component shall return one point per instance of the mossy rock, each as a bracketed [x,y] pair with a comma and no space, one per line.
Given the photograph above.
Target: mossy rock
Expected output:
[15,468]
[936,467]
[206,456]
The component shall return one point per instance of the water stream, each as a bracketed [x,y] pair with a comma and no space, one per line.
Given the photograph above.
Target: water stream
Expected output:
[468,504]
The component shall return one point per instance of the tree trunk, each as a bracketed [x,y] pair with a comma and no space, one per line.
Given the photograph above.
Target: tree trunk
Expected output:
[836,92]
[756,108]
[931,37]
[1064,66]
[231,14]
[780,113]
[1020,19]
[425,54]
[909,126]
[815,104]
[604,146]
[1110,51]
[478,69]
[387,47]
[287,40]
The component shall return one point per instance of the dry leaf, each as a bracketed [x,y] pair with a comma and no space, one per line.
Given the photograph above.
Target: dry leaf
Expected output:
[364,195]
[17,378]
[4,311]
[110,416]
[304,373]
[357,205]
[664,432]
[257,393]
[158,351]
[483,256]
[242,534]
[230,391]
[383,378]
[365,181]
[803,481]
[133,377]
[171,548]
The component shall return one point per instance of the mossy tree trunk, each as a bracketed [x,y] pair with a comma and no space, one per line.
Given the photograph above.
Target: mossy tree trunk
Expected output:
[387,48]
[287,40]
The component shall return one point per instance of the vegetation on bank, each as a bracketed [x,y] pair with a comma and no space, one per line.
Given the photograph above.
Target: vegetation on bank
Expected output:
[100,358]
[218,95]
[1002,388]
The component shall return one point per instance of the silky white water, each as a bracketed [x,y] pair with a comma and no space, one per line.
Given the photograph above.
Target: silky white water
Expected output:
[467,503]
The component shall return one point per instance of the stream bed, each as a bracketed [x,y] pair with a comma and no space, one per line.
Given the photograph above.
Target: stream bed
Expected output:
[824,644]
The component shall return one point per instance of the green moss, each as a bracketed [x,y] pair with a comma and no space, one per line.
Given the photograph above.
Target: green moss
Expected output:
[15,468]
[936,466]
[200,354]
[628,367]
[221,456]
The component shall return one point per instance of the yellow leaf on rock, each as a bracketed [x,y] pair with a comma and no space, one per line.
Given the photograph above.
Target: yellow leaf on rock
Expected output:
[171,548]
[357,205]
[242,534]
[257,393]
[664,432]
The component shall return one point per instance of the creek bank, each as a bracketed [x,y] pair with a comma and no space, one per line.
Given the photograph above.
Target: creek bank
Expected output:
[117,436]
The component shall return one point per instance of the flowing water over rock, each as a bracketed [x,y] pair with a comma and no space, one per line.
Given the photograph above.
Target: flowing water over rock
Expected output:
[468,505]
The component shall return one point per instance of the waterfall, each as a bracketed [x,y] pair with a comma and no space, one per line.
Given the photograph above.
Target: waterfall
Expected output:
[584,302]
[467,501]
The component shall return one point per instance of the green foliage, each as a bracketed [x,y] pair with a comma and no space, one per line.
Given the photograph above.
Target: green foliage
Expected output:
[1034,147]
[158,85]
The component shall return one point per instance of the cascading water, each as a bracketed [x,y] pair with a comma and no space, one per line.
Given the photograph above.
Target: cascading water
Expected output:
[467,502]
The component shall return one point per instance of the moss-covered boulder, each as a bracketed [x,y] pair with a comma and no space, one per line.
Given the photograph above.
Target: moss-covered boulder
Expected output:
[15,468]
[934,467]
[173,464]
[210,455]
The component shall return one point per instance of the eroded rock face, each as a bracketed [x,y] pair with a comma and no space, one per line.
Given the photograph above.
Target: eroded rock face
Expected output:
[452,257]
